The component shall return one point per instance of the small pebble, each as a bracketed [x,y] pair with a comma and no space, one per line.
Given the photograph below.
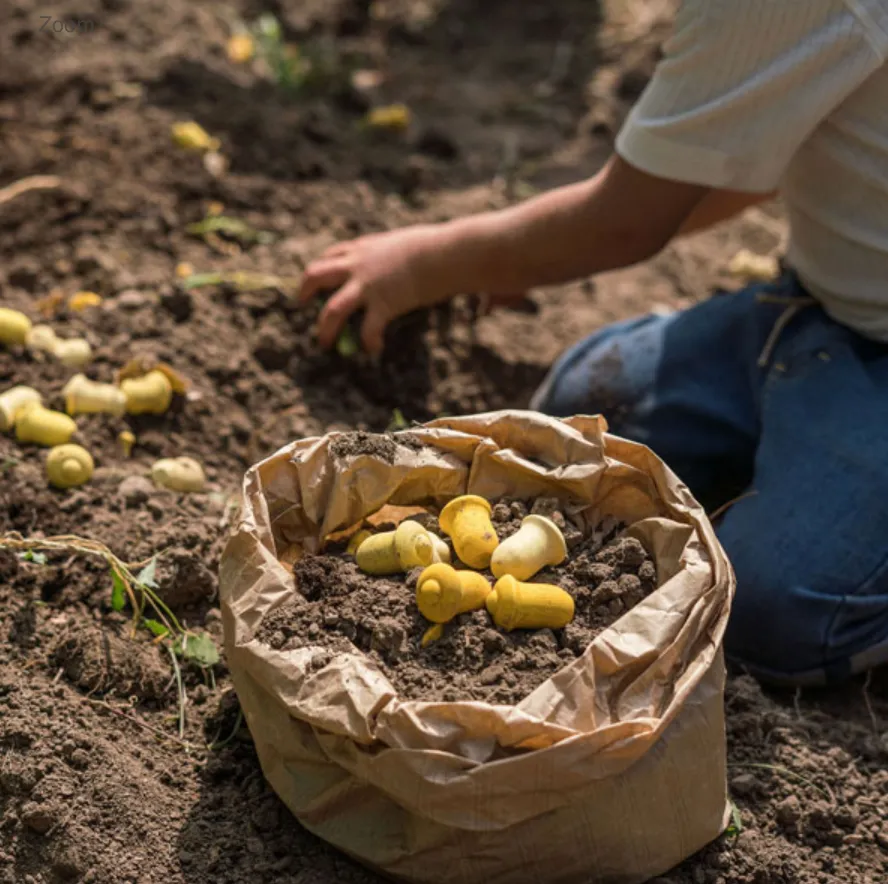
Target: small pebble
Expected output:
[131,299]
[135,490]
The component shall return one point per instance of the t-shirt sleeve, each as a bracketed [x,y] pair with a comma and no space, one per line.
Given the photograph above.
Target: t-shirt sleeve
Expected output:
[743,83]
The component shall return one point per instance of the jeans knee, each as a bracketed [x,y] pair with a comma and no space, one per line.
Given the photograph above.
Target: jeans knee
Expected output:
[785,627]
[605,373]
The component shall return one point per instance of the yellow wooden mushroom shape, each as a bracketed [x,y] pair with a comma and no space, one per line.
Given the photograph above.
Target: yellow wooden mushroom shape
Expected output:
[14,326]
[179,474]
[34,423]
[392,552]
[536,544]
[83,396]
[68,466]
[466,520]
[149,394]
[442,592]
[12,401]
[516,605]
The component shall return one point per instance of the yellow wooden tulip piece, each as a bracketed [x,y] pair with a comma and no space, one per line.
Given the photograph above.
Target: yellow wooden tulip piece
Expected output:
[240,48]
[179,474]
[149,394]
[83,396]
[391,116]
[127,440]
[536,544]
[14,326]
[68,466]
[75,352]
[83,300]
[442,550]
[356,540]
[34,423]
[466,520]
[432,634]
[42,338]
[442,592]
[192,136]
[392,552]
[516,605]
[12,401]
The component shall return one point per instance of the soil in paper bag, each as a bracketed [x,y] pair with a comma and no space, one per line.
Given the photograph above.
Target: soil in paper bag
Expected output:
[341,609]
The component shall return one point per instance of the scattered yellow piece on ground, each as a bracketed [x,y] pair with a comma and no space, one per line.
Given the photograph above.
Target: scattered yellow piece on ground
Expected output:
[127,440]
[516,605]
[391,116]
[81,300]
[68,466]
[184,270]
[83,396]
[75,352]
[466,520]
[192,136]
[215,208]
[34,423]
[756,268]
[240,48]
[14,399]
[14,326]
[150,394]
[179,474]
[537,543]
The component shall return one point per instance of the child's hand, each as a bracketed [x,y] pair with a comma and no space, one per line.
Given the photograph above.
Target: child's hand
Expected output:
[388,274]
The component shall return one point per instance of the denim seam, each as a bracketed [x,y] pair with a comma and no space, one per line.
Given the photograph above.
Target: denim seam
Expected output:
[880,570]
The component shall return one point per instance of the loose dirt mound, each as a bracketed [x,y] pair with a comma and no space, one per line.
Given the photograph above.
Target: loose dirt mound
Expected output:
[95,785]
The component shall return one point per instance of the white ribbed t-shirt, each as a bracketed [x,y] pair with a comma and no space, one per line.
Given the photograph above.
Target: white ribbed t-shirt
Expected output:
[754,95]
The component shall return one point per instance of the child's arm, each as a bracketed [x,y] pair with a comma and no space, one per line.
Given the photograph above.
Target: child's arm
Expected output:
[721,205]
[619,217]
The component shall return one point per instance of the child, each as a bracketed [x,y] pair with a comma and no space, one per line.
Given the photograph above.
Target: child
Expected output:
[783,387]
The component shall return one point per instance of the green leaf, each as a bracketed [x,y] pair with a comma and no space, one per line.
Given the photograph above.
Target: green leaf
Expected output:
[155,627]
[118,591]
[233,227]
[198,280]
[736,824]
[269,27]
[146,575]
[31,556]
[347,345]
[399,422]
[198,649]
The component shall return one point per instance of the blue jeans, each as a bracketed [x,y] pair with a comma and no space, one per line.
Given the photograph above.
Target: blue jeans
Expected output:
[799,416]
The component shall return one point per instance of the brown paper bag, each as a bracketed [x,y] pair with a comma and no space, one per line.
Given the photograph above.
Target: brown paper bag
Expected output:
[611,771]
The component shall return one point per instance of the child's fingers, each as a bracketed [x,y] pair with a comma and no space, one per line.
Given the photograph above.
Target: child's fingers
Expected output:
[336,313]
[337,250]
[373,330]
[322,274]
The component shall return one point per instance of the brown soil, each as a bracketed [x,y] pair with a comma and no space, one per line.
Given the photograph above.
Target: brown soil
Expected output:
[340,608]
[95,784]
